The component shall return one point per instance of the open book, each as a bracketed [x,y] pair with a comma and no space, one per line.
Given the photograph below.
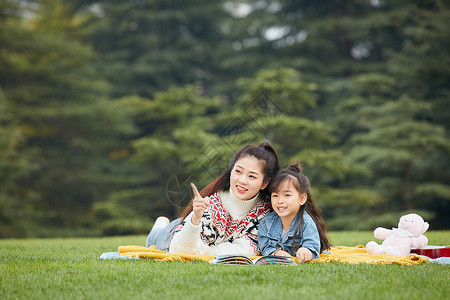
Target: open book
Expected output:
[245,260]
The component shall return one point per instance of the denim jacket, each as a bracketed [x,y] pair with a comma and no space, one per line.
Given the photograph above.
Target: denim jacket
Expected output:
[271,237]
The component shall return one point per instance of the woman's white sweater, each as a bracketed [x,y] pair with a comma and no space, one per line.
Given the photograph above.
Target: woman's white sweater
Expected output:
[228,226]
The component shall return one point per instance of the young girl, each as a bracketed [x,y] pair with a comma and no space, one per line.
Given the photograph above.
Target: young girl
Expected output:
[223,218]
[295,227]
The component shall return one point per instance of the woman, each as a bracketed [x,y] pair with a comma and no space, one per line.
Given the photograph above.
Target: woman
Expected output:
[223,218]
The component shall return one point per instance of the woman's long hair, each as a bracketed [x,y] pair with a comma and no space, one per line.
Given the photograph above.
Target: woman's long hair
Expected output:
[264,152]
[294,174]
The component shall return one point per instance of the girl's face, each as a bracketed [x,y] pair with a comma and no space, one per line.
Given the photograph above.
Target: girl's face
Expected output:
[286,200]
[247,178]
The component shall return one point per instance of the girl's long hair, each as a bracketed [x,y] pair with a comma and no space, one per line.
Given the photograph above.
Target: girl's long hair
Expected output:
[264,152]
[294,174]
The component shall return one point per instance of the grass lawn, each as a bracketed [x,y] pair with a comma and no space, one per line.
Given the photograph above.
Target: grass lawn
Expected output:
[70,269]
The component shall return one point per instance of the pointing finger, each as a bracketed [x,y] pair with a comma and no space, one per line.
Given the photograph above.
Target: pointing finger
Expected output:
[194,189]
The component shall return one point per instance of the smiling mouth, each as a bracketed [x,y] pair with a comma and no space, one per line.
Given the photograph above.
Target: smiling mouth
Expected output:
[282,208]
[240,189]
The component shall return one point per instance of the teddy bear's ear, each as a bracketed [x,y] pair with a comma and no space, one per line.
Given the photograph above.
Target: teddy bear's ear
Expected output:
[425,227]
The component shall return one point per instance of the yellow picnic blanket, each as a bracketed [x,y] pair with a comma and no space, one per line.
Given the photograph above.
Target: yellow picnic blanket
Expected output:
[152,252]
[343,254]
[358,255]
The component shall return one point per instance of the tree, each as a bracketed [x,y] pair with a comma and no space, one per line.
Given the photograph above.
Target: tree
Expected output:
[64,118]
[422,62]
[13,164]
[179,123]
[395,139]
[277,105]
[371,57]
[355,90]
[149,46]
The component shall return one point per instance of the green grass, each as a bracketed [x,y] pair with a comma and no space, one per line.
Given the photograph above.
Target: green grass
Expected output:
[70,269]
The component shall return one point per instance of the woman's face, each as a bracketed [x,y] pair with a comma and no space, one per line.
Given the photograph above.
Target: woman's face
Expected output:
[247,178]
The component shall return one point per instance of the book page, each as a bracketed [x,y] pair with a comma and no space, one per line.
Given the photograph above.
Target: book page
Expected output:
[232,260]
[274,260]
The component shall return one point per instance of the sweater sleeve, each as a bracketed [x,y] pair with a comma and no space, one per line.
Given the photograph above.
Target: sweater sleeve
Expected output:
[188,241]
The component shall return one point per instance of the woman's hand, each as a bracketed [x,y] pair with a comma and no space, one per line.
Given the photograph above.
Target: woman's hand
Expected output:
[303,255]
[281,253]
[199,205]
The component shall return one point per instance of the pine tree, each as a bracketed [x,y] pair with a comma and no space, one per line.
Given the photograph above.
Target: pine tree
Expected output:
[14,163]
[396,141]
[371,57]
[277,105]
[149,46]
[60,108]
[179,128]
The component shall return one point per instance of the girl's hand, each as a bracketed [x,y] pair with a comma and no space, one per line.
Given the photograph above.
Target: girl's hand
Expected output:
[281,253]
[303,255]
[199,205]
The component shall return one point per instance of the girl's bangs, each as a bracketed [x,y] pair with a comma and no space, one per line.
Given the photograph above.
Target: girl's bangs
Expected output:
[281,181]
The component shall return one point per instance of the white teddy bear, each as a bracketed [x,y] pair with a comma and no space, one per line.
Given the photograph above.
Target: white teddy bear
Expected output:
[399,241]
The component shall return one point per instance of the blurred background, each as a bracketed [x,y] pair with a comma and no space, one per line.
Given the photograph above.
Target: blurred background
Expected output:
[109,109]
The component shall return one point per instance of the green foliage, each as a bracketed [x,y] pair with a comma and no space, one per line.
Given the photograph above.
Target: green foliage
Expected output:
[395,140]
[148,46]
[13,164]
[285,119]
[64,127]
[117,215]
[357,91]
[383,95]
[177,128]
